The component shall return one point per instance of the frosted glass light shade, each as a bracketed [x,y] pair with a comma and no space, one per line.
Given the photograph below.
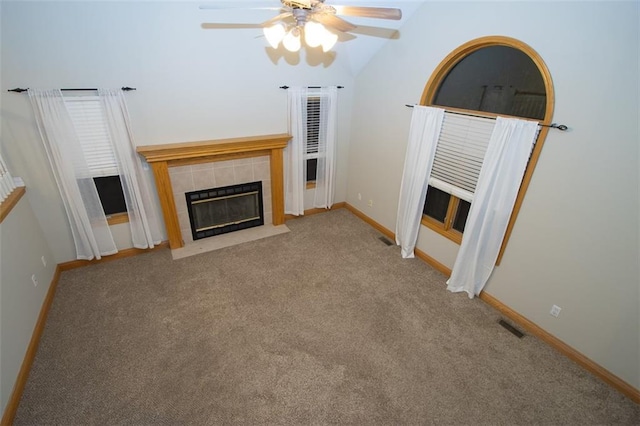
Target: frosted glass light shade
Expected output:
[329,40]
[291,41]
[274,34]
[314,34]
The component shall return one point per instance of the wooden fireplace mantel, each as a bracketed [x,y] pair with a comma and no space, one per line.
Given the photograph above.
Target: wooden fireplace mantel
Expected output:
[161,157]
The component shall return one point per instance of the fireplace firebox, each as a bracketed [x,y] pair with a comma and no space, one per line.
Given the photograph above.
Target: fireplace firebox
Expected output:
[226,209]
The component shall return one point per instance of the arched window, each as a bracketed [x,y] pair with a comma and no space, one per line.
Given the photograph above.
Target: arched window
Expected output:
[478,81]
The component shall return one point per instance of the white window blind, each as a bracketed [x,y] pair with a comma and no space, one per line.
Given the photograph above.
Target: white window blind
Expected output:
[313,126]
[460,152]
[88,119]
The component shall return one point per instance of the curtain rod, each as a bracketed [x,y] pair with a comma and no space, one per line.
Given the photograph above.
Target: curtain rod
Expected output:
[561,127]
[311,87]
[19,90]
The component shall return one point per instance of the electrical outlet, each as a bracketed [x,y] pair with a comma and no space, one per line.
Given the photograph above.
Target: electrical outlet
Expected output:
[555,310]
[370,203]
[359,196]
[44,261]
[34,280]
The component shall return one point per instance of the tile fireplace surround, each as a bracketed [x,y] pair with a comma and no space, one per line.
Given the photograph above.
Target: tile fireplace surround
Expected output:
[247,159]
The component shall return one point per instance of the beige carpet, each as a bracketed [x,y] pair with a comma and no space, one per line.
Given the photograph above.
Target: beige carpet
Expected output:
[321,325]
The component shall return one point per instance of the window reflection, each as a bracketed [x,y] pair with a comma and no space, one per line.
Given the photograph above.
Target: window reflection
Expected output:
[497,79]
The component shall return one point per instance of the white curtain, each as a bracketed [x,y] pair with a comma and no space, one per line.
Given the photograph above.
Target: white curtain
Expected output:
[143,222]
[89,226]
[326,171]
[426,123]
[295,166]
[496,191]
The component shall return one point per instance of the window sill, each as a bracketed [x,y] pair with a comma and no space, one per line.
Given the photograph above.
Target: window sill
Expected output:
[438,227]
[311,184]
[118,218]
[10,202]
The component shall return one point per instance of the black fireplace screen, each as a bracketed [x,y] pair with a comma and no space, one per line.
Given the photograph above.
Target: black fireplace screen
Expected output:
[221,210]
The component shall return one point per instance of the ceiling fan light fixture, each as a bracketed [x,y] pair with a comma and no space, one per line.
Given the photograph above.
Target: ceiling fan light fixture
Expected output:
[291,41]
[329,41]
[314,34]
[274,34]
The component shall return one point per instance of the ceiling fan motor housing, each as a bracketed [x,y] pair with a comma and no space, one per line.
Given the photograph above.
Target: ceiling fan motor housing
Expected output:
[300,16]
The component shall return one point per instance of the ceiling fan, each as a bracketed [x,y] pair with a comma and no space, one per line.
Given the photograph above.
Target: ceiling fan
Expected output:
[313,18]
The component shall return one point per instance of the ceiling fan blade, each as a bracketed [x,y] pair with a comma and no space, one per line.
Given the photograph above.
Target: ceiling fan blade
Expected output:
[280,17]
[225,6]
[333,21]
[379,32]
[343,37]
[369,12]
[237,26]
[216,26]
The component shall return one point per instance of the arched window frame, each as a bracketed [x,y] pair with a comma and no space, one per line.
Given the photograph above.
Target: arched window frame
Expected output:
[431,90]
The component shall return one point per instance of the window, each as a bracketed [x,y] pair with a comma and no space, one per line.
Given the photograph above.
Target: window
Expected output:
[110,192]
[88,119]
[481,79]
[313,133]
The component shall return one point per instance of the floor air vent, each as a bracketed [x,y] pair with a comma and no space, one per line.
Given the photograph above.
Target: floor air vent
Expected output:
[511,328]
[386,241]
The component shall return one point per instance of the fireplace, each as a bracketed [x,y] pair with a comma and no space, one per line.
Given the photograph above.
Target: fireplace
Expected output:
[226,209]
[165,157]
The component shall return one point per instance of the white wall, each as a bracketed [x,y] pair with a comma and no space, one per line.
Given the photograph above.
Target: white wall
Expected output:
[192,84]
[575,243]
[22,244]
